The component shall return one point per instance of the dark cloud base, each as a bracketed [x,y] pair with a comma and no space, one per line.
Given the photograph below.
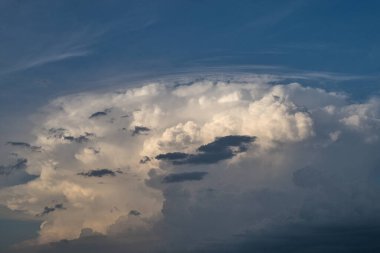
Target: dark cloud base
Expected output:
[295,239]
[308,239]
[186,176]
[15,173]
[19,164]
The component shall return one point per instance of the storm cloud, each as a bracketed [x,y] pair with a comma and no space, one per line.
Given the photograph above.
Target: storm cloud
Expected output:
[219,159]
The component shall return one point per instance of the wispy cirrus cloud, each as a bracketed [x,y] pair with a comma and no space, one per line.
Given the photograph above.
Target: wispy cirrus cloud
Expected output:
[63,47]
[45,58]
[54,57]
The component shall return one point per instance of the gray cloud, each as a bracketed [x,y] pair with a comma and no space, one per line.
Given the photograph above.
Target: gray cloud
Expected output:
[310,177]
[100,114]
[79,139]
[48,210]
[57,132]
[19,164]
[222,143]
[15,173]
[24,145]
[281,239]
[221,148]
[185,176]
[64,134]
[19,144]
[140,130]
[144,160]
[306,238]
[98,173]
[134,213]
[172,156]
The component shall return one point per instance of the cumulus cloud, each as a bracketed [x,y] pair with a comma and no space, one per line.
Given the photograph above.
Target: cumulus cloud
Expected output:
[202,162]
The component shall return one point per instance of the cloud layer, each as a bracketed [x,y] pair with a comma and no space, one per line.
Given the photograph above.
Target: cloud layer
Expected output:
[198,163]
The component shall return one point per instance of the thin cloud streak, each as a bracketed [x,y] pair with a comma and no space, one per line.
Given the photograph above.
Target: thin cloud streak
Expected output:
[43,60]
[66,46]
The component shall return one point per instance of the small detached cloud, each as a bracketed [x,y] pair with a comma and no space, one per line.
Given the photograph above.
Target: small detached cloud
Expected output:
[98,173]
[134,213]
[24,145]
[60,133]
[100,114]
[79,139]
[172,156]
[145,159]
[48,210]
[222,148]
[19,144]
[140,130]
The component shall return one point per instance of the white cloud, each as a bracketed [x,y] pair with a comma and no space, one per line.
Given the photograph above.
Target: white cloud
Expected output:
[314,152]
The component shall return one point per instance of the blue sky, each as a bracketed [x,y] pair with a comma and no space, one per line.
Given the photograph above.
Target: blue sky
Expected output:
[57,43]
[53,48]
[49,48]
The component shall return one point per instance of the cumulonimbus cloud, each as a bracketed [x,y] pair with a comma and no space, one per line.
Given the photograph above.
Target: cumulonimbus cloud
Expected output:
[219,158]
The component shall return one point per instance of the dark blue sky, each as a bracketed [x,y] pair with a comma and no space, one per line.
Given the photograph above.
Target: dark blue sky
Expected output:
[51,47]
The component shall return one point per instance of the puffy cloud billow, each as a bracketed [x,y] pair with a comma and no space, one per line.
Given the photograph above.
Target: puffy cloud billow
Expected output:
[198,164]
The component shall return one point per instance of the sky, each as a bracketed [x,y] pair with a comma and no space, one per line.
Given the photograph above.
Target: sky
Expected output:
[189,126]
